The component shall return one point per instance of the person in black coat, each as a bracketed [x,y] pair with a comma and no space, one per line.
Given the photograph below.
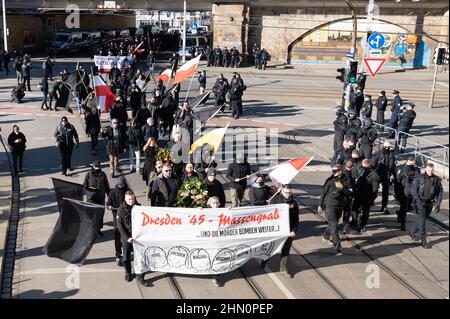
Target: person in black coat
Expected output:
[367,135]
[115,198]
[125,229]
[115,144]
[366,189]
[188,173]
[236,93]
[381,105]
[17,144]
[359,101]
[396,107]
[96,186]
[202,81]
[45,93]
[165,188]
[259,193]
[238,172]
[340,124]
[135,99]
[366,108]
[134,144]
[142,115]
[405,123]
[174,59]
[93,126]
[167,112]
[215,188]
[286,197]
[384,162]
[66,136]
[150,151]
[119,112]
[331,201]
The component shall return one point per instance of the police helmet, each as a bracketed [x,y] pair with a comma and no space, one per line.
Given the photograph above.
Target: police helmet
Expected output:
[367,122]
[351,114]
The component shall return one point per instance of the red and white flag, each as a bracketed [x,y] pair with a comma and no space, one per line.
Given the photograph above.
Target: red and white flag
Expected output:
[104,94]
[186,70]
[284,173]
[165,76]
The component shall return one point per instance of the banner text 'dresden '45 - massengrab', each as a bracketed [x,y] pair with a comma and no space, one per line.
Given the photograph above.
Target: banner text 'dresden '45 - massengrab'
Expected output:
[206,241]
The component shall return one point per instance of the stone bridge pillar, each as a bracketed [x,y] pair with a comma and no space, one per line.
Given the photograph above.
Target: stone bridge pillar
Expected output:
[230,26]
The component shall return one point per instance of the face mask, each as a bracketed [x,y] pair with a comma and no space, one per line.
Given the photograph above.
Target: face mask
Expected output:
[260,183]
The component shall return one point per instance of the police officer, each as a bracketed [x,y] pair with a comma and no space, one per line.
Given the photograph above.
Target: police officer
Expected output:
[236,93]
[353,126]
[209,54]
[264,58]
[234,57]
[361,81]
[405,123]
[381,105]
[367,135]
[359,101]
[404,184]
[366,109]
[220,90]
[286,197]
[217,57]
[257,56]
[340,125]
[331,201]
[254,49]
[384,162]
[226,56]
[366,189]
[427,191]
[397,104]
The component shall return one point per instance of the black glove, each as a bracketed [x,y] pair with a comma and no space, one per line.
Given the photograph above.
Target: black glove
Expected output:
[78,144]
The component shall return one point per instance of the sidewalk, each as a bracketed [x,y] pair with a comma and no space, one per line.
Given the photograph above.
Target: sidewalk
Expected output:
[5,204]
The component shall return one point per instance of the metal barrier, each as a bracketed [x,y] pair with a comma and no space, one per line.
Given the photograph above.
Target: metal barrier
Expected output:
[423,149]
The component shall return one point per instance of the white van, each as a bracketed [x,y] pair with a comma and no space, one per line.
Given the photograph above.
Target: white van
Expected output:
[195,41]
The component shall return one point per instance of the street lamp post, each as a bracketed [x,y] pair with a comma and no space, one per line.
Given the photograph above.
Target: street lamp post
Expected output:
[5,31]
[184,31]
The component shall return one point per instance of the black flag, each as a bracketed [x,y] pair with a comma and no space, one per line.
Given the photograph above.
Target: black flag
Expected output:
[201,99]
[204,114]
[64,189]
[75,231]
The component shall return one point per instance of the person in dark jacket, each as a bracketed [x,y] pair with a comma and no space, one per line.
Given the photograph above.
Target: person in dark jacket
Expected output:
[217,57]
[286,197]
[405,123]
[331,201]
[359,101]
[384,162]
[367,106]
[45,93]
[236,93]
[167,112]
[188,173]
[215,188]
[151,179]
[142,116]
[66,136]
[428,192]
[406,175]
[115,144]
[367,135]
[17,144]
[93,126]
[340,124]
[220,90]
[366,189]
[259,193]
[361,81]
[174,59]
[234,57]
[115,198]
[134,144]
[149,130]
[209,54]
[397,104]
[26,71]
[165,188]
[202,81]
[97,188]
[349,182]
[238,172]
[125,229]
[48,68]
[264,58]
[381,105]
[348,146]
[353,126]
[135,99]
[119,113]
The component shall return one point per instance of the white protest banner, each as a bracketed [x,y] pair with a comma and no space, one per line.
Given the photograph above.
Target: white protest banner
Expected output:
[208,241]
[105,63]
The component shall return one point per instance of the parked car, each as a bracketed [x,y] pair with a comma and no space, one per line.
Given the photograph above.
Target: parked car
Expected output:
[193,41]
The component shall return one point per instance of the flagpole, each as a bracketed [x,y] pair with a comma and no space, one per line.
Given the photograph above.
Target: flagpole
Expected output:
[189,89]
[274,195]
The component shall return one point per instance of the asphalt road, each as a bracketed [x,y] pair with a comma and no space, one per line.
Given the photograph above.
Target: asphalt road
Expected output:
[299,108]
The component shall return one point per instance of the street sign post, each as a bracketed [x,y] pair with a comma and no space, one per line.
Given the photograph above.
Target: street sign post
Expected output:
[376,41]
[374,65]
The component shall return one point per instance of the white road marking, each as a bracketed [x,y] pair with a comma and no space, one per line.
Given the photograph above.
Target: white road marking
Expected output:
[66,270]
[39,138]
[278,282]
[443,84]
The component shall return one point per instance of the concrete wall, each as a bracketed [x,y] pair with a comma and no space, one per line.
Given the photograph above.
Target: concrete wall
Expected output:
[275,28]
[45,26]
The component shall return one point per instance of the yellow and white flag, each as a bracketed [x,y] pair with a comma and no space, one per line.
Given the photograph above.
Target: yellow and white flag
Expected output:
[213,138]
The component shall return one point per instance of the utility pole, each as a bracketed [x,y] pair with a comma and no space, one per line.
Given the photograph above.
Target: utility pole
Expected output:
[369,30]
[184,31]
[352,51]
[5,30]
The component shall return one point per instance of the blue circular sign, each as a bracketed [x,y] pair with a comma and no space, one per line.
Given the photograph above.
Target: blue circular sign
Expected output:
[376,41]
[194,26]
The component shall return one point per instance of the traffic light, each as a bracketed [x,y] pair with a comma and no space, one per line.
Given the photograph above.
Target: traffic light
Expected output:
[341,77]
[440,56]
[352,72]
